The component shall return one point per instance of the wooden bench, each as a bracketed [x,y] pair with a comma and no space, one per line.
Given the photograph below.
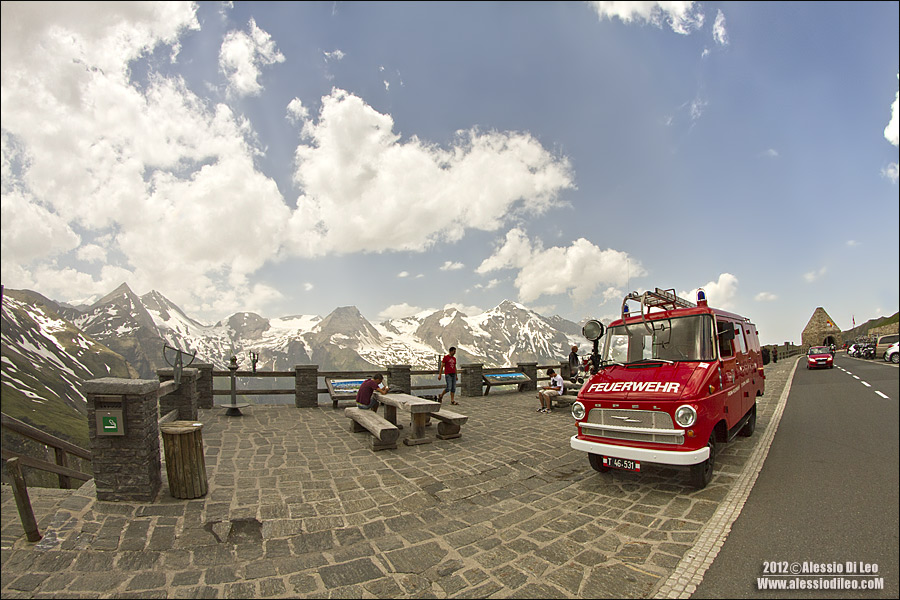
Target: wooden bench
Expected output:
[449,425]
[384,433]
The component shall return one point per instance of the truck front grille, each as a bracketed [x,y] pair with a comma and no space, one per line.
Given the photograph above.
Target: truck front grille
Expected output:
[633,425]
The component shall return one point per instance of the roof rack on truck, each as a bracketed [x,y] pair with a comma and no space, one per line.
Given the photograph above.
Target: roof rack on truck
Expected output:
[661,299]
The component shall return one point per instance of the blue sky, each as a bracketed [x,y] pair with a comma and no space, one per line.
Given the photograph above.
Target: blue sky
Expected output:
[290,158]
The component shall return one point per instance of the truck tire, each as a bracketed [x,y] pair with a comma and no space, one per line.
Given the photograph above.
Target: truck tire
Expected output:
[702,474]
[597,463]
[750,426]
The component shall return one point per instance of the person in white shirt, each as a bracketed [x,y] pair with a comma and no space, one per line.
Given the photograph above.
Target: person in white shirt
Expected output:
[548,392]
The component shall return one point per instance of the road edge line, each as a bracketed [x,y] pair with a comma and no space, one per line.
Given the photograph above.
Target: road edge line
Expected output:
[690,570]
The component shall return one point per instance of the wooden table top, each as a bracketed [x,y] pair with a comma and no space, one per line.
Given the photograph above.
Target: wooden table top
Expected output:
[413,404]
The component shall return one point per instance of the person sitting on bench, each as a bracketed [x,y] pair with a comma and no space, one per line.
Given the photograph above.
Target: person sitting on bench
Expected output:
[548,392]
[365,397]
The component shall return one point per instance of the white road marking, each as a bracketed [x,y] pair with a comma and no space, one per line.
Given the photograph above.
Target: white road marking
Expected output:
[856,377]
[865,384]
[882,395]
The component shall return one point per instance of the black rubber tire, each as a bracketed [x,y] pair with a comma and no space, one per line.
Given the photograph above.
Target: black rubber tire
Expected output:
[597,463]
[702,474]
[895,358]
[750,426]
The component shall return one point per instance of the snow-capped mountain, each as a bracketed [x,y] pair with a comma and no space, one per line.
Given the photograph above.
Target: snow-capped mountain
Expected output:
[45,360]
[138,327]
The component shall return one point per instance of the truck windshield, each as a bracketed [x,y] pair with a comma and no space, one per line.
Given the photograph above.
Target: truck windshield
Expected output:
[676,339]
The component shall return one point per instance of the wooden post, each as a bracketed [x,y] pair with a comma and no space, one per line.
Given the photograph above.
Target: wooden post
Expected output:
[64,482]
[23,503]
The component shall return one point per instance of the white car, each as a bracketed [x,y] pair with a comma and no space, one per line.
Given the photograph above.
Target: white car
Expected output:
[892,353]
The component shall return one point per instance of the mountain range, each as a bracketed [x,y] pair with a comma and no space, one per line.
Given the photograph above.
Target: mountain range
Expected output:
[50,347]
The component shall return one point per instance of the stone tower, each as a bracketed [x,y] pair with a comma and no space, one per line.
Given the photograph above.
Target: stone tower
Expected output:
[821,330]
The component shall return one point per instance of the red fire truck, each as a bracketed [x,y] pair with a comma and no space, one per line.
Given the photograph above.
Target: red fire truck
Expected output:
[669,384]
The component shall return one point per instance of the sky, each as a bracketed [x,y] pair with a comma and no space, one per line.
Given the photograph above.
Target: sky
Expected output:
[289,158]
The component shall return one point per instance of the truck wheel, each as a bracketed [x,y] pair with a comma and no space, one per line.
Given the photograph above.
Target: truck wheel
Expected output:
[750,426]
[702,474]
[597,463]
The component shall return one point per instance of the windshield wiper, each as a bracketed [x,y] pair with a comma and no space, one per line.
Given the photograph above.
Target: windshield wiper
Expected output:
[644,361]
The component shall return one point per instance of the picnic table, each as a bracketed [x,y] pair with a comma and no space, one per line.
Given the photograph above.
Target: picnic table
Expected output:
[419,408]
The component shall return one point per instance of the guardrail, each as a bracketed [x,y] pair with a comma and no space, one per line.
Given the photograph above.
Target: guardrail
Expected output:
[15,461]
[226,374]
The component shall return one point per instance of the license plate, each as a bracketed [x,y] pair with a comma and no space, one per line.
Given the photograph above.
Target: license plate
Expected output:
[621,463]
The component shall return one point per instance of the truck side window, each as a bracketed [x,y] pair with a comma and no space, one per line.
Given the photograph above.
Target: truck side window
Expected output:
[739,336]
[726,350]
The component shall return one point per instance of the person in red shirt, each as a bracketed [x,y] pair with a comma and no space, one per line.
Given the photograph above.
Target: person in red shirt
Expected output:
[365,395]
[448,368]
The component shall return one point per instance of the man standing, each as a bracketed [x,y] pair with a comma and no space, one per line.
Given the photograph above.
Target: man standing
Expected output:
[448,368]
[549,392]
[573,364]
[365,395]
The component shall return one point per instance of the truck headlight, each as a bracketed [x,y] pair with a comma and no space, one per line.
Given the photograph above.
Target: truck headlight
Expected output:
[578,411]
[685,415]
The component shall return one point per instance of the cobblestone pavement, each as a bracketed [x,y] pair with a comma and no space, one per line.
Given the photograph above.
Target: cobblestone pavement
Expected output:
[298,506]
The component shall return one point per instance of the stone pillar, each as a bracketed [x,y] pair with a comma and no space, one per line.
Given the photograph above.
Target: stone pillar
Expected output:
[185,398]
[399,378]
[205,398]
[306,386]
[564,370]
[530,369]
[126,467]
[470,381]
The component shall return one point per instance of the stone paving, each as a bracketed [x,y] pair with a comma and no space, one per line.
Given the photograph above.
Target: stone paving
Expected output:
[298,506]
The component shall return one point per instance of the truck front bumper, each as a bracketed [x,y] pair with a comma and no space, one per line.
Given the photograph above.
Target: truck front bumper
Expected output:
[663,457]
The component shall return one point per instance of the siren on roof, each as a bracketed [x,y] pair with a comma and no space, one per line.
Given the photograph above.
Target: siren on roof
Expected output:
[701,297]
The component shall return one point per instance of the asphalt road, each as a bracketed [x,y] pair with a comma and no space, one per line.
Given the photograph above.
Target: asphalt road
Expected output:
[827,493]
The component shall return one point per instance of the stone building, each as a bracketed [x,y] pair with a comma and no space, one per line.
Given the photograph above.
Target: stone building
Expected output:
[821,330]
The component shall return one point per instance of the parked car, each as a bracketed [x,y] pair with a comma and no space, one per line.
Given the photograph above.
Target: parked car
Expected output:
[884,341]
[892,354]
[819,357]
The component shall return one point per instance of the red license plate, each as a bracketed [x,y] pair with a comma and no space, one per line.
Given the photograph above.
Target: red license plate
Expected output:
[621,463]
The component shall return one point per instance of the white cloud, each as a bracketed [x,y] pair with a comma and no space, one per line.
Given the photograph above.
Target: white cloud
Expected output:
[135,169]
[487,286]
[578,269]
[354,161]
[720,34]
[242,55]
[765,297]
[720,293]
[336,55]
[403,274]
[682,17]
[468,310]
[891,132]
[398,311]
[852,243]
[296,112]
[308,287]
[452,266]
[771,153]
[814,275]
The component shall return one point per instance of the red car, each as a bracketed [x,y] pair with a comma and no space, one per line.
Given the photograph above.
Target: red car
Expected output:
[819,357]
